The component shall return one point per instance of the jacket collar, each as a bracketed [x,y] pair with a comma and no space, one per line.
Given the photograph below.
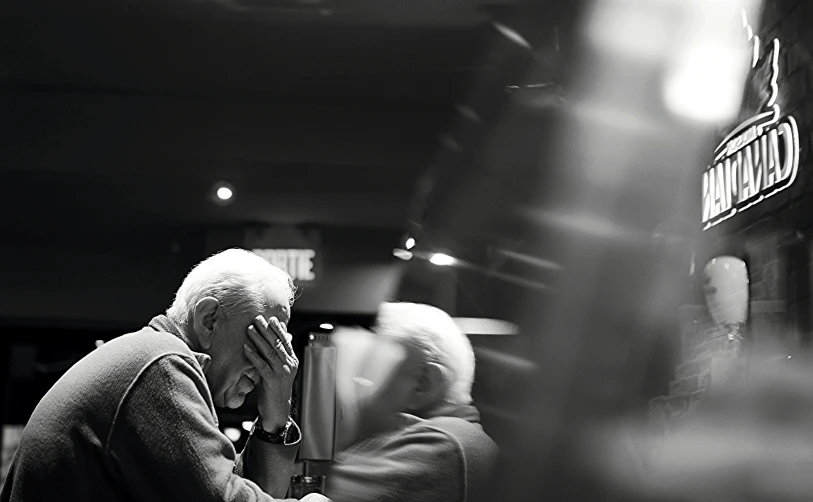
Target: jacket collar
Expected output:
[164,324]
[467,412]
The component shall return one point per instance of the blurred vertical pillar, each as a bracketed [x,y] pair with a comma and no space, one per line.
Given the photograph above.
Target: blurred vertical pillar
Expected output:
[318,400]
[623,165]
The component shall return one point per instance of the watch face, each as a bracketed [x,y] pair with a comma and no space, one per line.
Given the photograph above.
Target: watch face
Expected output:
[286,432]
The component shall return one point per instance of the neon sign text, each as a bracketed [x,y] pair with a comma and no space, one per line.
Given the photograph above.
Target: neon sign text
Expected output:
[757,160]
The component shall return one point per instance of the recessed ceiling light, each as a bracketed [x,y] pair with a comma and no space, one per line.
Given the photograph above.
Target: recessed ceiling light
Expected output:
[442,260]
[223,193]
[410,243]
[326,325]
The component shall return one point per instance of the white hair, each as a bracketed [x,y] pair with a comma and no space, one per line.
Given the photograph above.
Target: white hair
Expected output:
[437,338]
[240,280]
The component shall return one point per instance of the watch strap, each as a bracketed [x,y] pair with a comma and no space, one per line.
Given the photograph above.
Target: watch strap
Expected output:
[270,437]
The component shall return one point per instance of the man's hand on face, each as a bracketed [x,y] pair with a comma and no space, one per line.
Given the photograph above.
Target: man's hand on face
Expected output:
[273,355]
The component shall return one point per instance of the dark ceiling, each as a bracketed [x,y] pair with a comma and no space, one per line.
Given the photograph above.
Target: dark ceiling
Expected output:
[123,114]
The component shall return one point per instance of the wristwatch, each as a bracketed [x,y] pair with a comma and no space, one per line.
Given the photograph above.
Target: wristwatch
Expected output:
[270,437]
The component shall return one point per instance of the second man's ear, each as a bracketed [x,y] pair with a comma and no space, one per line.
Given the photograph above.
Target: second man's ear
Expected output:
[432,386]
[204,320]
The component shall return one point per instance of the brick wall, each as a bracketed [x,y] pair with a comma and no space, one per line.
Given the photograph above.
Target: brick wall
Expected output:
[708,357]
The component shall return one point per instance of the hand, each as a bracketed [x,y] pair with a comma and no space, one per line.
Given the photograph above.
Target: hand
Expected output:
[314,497]
[273,356]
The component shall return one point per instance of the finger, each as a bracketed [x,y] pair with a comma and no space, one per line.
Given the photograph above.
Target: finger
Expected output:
[282,335]
[265,369]
[289,338]
[273,336]
[268,330]
[266,351]
[261,339]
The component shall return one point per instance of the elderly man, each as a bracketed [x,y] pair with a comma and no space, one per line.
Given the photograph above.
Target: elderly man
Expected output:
[419,437]
[135,419]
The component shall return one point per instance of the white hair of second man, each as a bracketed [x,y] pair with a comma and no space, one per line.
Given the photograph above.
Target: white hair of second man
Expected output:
[240,280]
[436,337]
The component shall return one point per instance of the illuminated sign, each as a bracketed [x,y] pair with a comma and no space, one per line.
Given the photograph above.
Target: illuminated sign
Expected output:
[758,159]
[299,263]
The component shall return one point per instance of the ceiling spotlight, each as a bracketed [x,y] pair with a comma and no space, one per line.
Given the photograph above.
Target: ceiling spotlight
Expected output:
[326,325]
[442,260]
[223,193]
[402,254]
[247,425]
[232,433]
[410,243]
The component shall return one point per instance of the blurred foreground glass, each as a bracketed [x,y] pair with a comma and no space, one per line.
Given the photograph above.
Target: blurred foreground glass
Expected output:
[704,49]
[365,364]
[653,82]
[750,439]
[706,74]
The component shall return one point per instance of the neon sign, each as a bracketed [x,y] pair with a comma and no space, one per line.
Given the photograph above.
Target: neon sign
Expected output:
[299,263]
[758,159]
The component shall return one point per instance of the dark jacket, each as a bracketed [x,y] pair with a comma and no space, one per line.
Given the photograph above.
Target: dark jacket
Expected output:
[449,459]
[134,420]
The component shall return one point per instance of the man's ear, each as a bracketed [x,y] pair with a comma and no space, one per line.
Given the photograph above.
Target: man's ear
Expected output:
[431,387]
[205,319]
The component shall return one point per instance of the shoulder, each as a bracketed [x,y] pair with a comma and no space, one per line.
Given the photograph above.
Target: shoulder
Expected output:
[148,357]
[150,340]
[414,463]
[466,435]
[476,453]
[160,356]
[135,351]
[429,445]
[413,449]
[168,386]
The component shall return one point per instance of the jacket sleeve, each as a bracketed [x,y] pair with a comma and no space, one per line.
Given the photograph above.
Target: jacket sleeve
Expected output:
[164,443]
[422,464]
